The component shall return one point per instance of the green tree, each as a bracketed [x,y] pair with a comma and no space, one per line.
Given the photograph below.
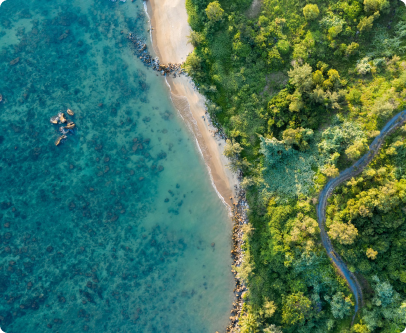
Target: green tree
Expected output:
[318,77]
[301,77]
[371,253]
[305,227]
[232,149]
[272,329]
[214,11]
[269,308]
[296,102]
[333,80]
[372,6]
[283,46]
[318,95]
[248,323]
[296,308]
[330,170]
[383,292]
[335,31]
[195,38]
[299,137]
[192,63]
[354,151]
[345,233]
[311,12]
[366,23]
[340,305]
[352,49]
[360,328]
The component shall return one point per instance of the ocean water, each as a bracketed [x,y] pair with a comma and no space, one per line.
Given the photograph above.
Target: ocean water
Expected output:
[118,229]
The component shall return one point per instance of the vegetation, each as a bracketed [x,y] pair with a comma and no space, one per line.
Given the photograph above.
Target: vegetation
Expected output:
[301,89]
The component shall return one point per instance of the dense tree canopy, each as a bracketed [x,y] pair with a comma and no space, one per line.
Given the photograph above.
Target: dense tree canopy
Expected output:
[301,90]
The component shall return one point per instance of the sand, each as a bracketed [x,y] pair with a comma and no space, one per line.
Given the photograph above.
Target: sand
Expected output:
[170,29]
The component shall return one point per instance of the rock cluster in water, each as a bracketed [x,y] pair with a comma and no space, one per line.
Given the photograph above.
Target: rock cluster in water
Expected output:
[68,129]
[141,50]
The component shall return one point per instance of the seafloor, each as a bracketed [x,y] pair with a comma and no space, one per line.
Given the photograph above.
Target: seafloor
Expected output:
[118,229]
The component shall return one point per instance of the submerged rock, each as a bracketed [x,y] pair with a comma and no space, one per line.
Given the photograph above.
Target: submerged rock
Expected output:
[54,119]
[70,125]
[62,118]
[14,61]
[60,139]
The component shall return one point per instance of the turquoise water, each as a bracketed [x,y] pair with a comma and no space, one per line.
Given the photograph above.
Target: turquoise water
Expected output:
[118,229]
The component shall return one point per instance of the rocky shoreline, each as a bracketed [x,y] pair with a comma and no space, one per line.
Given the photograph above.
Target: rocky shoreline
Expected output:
[141,50]
[239,218]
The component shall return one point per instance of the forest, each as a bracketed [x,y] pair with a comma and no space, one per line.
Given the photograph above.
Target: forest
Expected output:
[301,88]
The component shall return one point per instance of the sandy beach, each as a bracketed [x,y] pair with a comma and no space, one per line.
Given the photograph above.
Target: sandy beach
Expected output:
[170,29]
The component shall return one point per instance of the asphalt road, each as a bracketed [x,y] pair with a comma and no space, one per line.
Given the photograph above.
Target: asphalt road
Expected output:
[345,175]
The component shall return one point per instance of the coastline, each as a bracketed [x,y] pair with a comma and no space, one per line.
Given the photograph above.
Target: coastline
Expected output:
[170,28]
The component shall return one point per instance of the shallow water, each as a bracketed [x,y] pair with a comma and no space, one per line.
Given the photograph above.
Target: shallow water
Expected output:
[118,229]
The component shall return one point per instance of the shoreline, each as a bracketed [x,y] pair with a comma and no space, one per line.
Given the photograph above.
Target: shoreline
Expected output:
[172,49]
[169,31]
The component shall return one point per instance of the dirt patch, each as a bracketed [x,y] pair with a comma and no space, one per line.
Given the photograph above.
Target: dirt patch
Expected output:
[254,9]
[275,82]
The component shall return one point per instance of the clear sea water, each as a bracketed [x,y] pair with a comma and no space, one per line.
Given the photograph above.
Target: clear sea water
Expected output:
[118,229]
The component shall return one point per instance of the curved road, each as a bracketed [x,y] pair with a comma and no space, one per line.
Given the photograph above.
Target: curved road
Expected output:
[348,173]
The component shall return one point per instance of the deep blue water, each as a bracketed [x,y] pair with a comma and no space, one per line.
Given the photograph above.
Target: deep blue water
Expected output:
[118,229]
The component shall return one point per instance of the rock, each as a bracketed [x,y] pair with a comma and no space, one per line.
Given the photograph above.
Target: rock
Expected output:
[62,118]
[63,36]
[70,112]
[14,61]
[70,125]
[58,141]
[54,119]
